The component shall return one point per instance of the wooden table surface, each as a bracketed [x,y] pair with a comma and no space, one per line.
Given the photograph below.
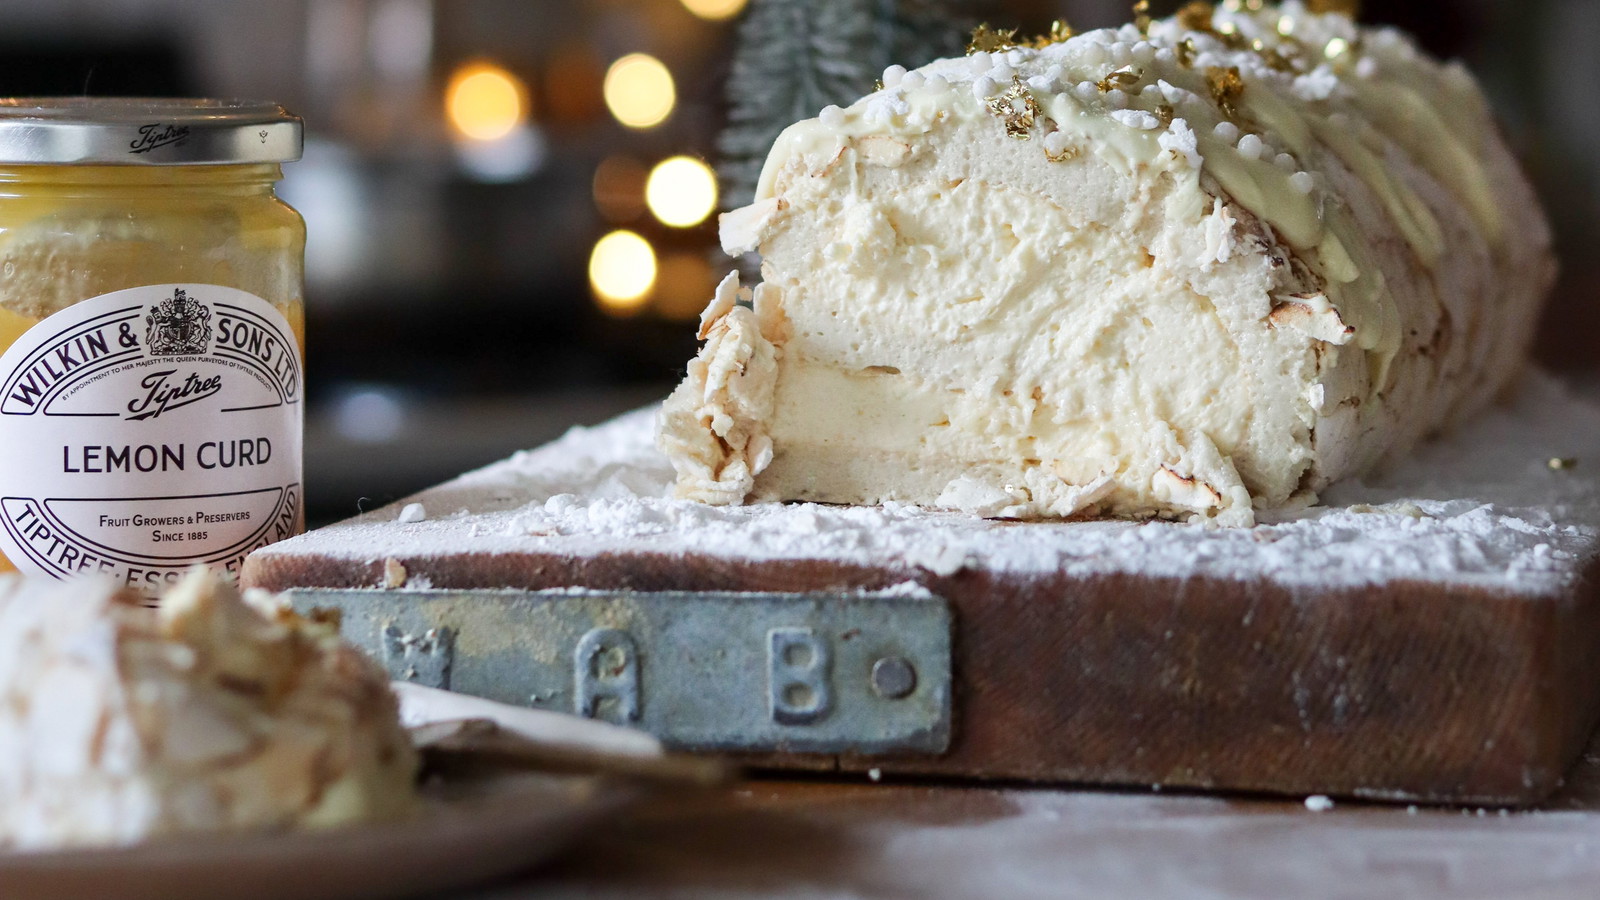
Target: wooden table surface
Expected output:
[837,839]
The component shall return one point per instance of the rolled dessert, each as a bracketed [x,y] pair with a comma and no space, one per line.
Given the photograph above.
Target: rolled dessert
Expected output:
[121,723]
[1187,268]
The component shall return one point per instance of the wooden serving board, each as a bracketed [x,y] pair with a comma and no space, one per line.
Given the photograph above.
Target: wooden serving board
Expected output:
[1434,637]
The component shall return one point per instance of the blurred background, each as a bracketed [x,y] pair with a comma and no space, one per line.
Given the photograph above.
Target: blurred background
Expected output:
[511,215]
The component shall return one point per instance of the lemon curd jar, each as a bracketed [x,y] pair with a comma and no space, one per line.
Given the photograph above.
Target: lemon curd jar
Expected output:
[151,334]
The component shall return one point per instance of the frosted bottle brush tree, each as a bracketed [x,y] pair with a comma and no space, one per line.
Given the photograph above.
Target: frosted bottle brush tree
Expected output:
[796,56]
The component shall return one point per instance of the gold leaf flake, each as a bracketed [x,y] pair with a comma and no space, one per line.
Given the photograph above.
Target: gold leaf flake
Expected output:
[1271,56]
[1165,114]
[1226,87]
[1016,108]
[1059,31]
[1119,78]
[1068,151]
[1196,16]
[990,40]
[1141,16]
[1348,8]
[1185,51]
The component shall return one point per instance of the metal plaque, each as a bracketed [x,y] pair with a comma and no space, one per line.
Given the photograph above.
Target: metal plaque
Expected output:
[856,673]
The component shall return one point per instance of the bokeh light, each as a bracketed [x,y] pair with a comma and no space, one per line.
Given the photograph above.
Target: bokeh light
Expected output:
[485,102]
[639,91]
[681,191]
[622,270]
[714,10]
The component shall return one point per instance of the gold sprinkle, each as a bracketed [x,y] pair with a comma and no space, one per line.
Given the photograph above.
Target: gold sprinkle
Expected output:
[1347,8]
[989,40]
[1226,87]
[1141,16]
[1017,108]
[1119,78]
[1165,114]
[1558,463]
[1196,16]
[1185,52]
[1059,31]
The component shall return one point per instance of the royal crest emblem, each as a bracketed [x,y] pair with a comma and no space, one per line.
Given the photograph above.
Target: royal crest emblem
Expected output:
[180,326]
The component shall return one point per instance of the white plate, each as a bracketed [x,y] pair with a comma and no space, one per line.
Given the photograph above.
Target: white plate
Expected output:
[471,832]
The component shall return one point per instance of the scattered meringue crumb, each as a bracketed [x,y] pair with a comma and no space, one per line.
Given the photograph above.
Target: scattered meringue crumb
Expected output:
[413,512]
[394,573]
[1319,803]
[875,775]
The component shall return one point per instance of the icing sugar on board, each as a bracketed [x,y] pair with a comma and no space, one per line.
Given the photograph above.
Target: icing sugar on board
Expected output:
[1431,634]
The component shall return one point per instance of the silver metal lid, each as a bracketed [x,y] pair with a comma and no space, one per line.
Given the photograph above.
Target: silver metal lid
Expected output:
[138,131]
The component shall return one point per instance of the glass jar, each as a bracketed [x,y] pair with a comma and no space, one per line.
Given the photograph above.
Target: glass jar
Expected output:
[151,335]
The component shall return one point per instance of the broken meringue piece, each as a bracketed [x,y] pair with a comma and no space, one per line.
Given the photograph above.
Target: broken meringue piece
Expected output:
[120,723]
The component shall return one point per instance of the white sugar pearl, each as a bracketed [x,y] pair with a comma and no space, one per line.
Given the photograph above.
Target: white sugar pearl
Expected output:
[1093,56]
[1302,182]
[1042,84]
[1085,90]
[832,116]
[1285,162]
[1117,99]
[1002,72]
[980,62]
[1250,146]
[1016,57]
[1144,52]
[984,88]
[1121,54]
[912,81]
[938,84]
[892,76]
[1227,131]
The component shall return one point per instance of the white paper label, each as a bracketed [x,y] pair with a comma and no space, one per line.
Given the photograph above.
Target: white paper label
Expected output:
[147,430]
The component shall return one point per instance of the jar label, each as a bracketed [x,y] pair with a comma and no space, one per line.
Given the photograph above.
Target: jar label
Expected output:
[147,430]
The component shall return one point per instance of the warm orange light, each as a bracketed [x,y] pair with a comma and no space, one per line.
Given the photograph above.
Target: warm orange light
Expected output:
[485,102]
[639,91]
[622,270]
[715,10]
[681,191]
[619,188]
[684,286]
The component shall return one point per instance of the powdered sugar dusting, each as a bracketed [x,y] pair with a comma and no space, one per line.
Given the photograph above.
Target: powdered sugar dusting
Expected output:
[1482,506]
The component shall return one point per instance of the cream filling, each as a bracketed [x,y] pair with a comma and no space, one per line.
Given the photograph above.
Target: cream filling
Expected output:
[1048,364]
